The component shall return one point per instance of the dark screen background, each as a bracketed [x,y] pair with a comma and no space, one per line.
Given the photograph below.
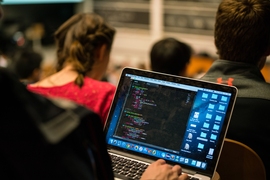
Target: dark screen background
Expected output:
[155,114]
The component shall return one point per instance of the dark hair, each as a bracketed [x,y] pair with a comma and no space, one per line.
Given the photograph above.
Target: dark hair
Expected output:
[78,39]
[170,56]
[25,62]
[242,30]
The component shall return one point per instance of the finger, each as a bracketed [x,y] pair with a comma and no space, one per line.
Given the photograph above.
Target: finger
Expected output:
[161,161]
[183,176]
[177,169]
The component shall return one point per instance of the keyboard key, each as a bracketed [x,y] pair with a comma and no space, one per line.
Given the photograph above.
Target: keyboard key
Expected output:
[128,168]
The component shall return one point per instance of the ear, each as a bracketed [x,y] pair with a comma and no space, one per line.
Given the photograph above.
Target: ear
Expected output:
[101,52]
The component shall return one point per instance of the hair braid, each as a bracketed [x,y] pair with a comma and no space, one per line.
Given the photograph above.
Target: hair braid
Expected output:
[78,39]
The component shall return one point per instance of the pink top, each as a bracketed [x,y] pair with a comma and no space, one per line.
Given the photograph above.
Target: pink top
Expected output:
[95,95]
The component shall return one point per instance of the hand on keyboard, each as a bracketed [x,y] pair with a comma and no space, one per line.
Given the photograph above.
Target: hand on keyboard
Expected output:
[160,170]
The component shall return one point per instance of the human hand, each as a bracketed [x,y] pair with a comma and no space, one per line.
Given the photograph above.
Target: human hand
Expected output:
[160,170]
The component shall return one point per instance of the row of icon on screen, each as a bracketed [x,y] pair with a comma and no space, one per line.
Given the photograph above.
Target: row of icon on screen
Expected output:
[205,134]
[133,147]
[215,96]
[157,153]
[201,145]
[208,116]
[192,162]
[220,107]
[184,160]
[207,125]
[212,136]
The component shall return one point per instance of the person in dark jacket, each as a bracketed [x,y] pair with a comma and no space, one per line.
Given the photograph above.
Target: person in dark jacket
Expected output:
[242,39]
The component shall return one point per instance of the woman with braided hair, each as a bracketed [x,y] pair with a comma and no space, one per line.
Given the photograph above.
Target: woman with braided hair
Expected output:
[83,48]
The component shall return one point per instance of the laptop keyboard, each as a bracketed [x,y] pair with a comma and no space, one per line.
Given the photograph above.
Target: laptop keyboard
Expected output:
[127,167]
[131,169]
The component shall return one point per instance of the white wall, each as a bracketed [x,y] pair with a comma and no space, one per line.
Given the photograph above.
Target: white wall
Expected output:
[132,46]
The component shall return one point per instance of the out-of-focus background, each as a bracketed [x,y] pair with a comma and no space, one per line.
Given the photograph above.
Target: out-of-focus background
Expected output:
[139,24]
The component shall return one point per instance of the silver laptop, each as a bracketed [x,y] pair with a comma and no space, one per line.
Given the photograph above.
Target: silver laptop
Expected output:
[181,120]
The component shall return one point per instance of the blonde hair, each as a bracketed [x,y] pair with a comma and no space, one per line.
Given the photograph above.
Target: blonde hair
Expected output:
[77,40]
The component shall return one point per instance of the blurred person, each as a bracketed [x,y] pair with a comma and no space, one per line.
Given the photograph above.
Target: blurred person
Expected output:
[12,38]
[170,56]
[3,60]
[27,65]
[83,48]
[157,170]
[242,39]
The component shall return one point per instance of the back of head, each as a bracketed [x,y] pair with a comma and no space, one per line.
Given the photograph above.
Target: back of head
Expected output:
[170,56]
[26,62]
[242,30]
[78,39]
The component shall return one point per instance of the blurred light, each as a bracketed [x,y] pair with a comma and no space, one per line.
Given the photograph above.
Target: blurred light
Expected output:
[19,39]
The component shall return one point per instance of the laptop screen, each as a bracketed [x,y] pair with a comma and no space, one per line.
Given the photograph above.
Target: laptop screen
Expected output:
[178,119]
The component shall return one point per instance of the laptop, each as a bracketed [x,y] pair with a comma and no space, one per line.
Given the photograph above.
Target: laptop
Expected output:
[159,116]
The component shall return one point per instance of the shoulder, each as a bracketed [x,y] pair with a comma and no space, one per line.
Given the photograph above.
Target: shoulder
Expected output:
[255,89]
[247,78]
[34,88]
[45,91]
[98,85]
